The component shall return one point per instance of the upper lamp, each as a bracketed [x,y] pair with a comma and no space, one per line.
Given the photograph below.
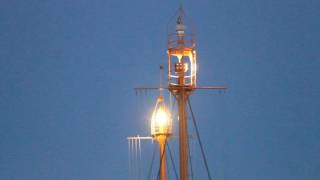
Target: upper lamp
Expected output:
[182,60]
[161,120]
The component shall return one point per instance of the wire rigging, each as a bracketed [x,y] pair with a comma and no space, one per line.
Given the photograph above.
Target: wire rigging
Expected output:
[151,164]
[129,157]
[173,164]
[161,157]
[190,161]
[135,158]
[199,140]
[139,149]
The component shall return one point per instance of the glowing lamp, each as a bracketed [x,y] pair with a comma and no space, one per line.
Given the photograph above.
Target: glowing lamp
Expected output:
[182,60]
[161,121]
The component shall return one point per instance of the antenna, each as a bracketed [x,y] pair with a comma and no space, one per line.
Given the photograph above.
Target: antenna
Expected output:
[160,79]
[181,4]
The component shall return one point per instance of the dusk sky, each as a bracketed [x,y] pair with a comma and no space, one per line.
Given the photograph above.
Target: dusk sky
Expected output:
[68,69]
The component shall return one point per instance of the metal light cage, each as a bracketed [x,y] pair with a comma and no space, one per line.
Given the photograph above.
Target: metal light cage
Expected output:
[182,59]
[161,120]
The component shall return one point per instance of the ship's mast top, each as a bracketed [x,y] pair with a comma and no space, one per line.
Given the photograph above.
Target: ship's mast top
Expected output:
[180,24]
[182,63]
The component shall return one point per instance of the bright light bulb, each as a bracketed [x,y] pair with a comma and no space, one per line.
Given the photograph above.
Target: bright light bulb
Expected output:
[161,122]
[161,118]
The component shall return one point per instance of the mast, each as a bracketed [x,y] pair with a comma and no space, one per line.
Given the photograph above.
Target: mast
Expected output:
[163,159]
[182,81]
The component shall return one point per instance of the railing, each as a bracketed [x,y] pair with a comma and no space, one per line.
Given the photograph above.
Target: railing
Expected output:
[173,40]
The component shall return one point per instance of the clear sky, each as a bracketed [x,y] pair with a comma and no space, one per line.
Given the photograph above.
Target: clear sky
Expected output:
[68,68]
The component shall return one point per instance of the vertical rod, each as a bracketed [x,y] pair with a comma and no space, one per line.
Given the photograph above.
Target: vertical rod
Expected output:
[140,161]
[163,163]
[181,95]
[183,135]
[160,86]
[130,156]
[135,159]
[183,130]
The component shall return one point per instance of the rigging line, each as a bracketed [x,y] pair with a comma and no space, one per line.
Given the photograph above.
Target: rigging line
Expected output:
[136,159]
[199,140]
[190,161]
[140,162]
[181,3]
[172,162]
[161,157]
[170,100]
[171,18]
[160,83]
[129,158]
[172,107]
[151,165]
[168,170]
[132,160]
[174,103]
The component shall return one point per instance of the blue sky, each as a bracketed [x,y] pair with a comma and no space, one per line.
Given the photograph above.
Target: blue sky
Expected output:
[68,69]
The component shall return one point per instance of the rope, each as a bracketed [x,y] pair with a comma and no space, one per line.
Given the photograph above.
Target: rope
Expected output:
[173,165]
[190,161]
[199,140]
